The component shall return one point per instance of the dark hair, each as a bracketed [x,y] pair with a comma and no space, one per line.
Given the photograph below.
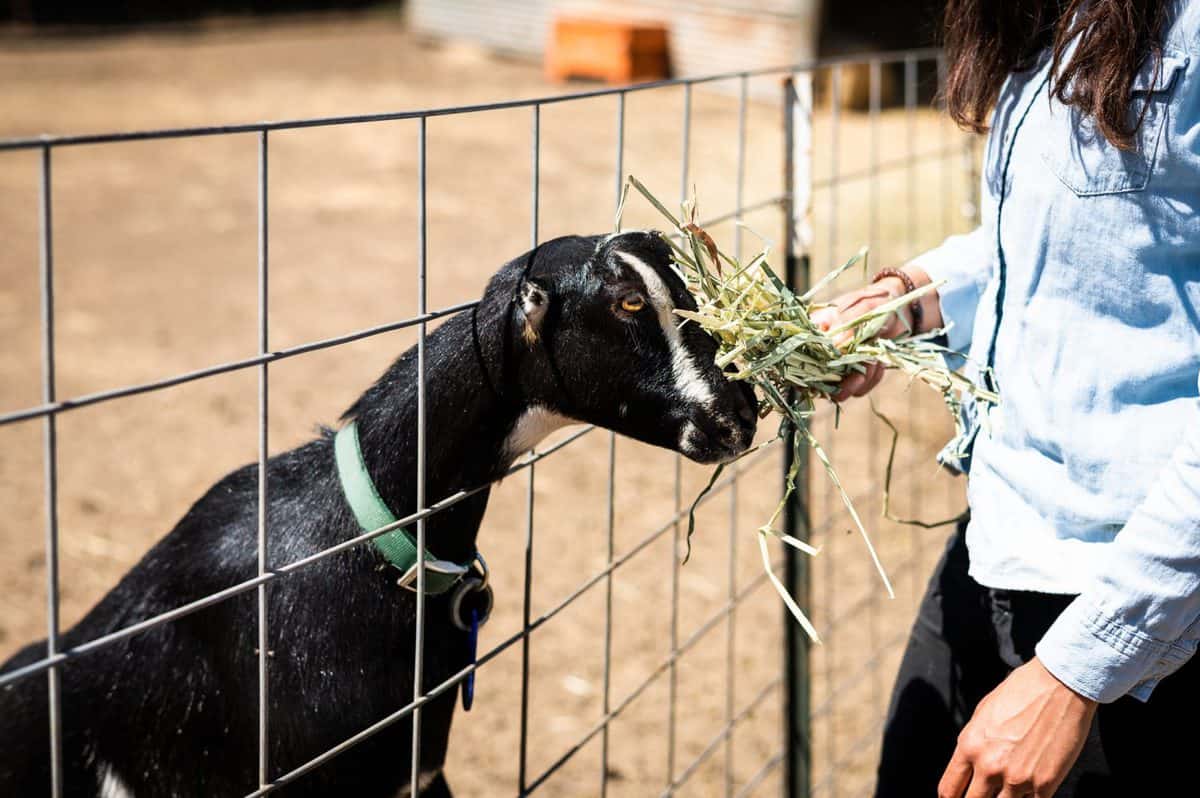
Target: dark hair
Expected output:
[985,40]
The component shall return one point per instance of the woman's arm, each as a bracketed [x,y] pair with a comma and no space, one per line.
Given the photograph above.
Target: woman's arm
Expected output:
[1139,619]
[963,261]
[1135,624]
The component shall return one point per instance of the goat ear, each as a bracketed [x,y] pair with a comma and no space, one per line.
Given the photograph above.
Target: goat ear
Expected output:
[534,303]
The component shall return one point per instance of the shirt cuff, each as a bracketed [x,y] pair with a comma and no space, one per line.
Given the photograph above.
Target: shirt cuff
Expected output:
[1102,658]
[964,265]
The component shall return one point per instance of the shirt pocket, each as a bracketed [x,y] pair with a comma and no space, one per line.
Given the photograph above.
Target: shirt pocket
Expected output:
[1079,155]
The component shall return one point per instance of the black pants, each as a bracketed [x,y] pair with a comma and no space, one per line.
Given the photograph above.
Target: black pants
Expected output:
[967,638]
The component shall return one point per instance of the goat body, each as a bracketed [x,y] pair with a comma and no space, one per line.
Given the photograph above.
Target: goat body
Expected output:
[172,710]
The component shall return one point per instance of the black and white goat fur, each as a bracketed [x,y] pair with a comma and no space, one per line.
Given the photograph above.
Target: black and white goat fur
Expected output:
[579,330]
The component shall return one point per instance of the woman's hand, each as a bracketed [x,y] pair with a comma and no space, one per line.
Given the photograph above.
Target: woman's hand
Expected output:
[1022,740]
[850,306]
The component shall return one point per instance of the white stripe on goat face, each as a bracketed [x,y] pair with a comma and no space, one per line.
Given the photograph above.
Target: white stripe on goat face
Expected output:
[688,379]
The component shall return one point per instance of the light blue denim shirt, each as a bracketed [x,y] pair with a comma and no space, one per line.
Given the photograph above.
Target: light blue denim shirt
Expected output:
[1082,288]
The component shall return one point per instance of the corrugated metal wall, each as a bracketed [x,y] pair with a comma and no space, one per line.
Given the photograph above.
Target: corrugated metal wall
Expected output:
[705,37]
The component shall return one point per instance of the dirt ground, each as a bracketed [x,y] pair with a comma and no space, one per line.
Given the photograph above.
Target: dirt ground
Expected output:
[155,269]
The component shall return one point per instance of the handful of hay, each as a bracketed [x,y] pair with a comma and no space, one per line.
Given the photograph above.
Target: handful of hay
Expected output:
[766,332]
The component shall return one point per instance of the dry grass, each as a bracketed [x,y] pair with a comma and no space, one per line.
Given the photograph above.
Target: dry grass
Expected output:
[766,335]
[155,273]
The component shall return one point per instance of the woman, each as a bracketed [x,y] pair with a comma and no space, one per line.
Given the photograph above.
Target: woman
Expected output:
[1052,653]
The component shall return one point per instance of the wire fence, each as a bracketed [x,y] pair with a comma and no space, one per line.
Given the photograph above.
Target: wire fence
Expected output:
[888,178]
[895,178]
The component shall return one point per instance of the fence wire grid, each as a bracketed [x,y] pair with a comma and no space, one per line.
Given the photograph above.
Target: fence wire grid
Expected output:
[888,177]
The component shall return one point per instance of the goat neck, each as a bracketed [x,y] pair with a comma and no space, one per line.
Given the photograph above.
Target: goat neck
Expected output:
[472,408]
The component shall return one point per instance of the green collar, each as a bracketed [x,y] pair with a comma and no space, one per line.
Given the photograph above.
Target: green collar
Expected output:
[398,547]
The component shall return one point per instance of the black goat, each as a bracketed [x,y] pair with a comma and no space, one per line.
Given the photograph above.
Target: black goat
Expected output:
[580,329]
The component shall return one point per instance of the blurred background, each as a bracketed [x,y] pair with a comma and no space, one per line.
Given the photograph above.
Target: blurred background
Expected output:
[155,275]
[705,36]
[811,26]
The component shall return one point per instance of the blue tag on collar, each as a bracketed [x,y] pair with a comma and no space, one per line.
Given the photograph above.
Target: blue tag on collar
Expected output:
[468,689]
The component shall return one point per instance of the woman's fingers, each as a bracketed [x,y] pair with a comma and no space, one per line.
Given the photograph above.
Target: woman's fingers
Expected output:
[841,310]
[874,375]
[1009,791]
[956,778]
[895,327]
[846,308]
[855,384]
[825,318]
[850,306]
[851,386]
[982,788]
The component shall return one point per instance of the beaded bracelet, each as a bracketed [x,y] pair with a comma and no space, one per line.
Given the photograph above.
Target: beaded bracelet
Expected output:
[918,312]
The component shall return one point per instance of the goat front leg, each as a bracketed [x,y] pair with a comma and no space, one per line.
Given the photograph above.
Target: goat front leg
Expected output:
[438,788]
[432,785]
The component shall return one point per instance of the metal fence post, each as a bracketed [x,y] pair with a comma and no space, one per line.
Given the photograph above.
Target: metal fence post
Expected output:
[50,440]
[797,731]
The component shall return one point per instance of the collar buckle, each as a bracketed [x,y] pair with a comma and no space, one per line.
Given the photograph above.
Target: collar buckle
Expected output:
[447,574]
[443,570]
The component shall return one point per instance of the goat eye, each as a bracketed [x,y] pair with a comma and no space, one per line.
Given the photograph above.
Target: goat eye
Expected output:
[633,303]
